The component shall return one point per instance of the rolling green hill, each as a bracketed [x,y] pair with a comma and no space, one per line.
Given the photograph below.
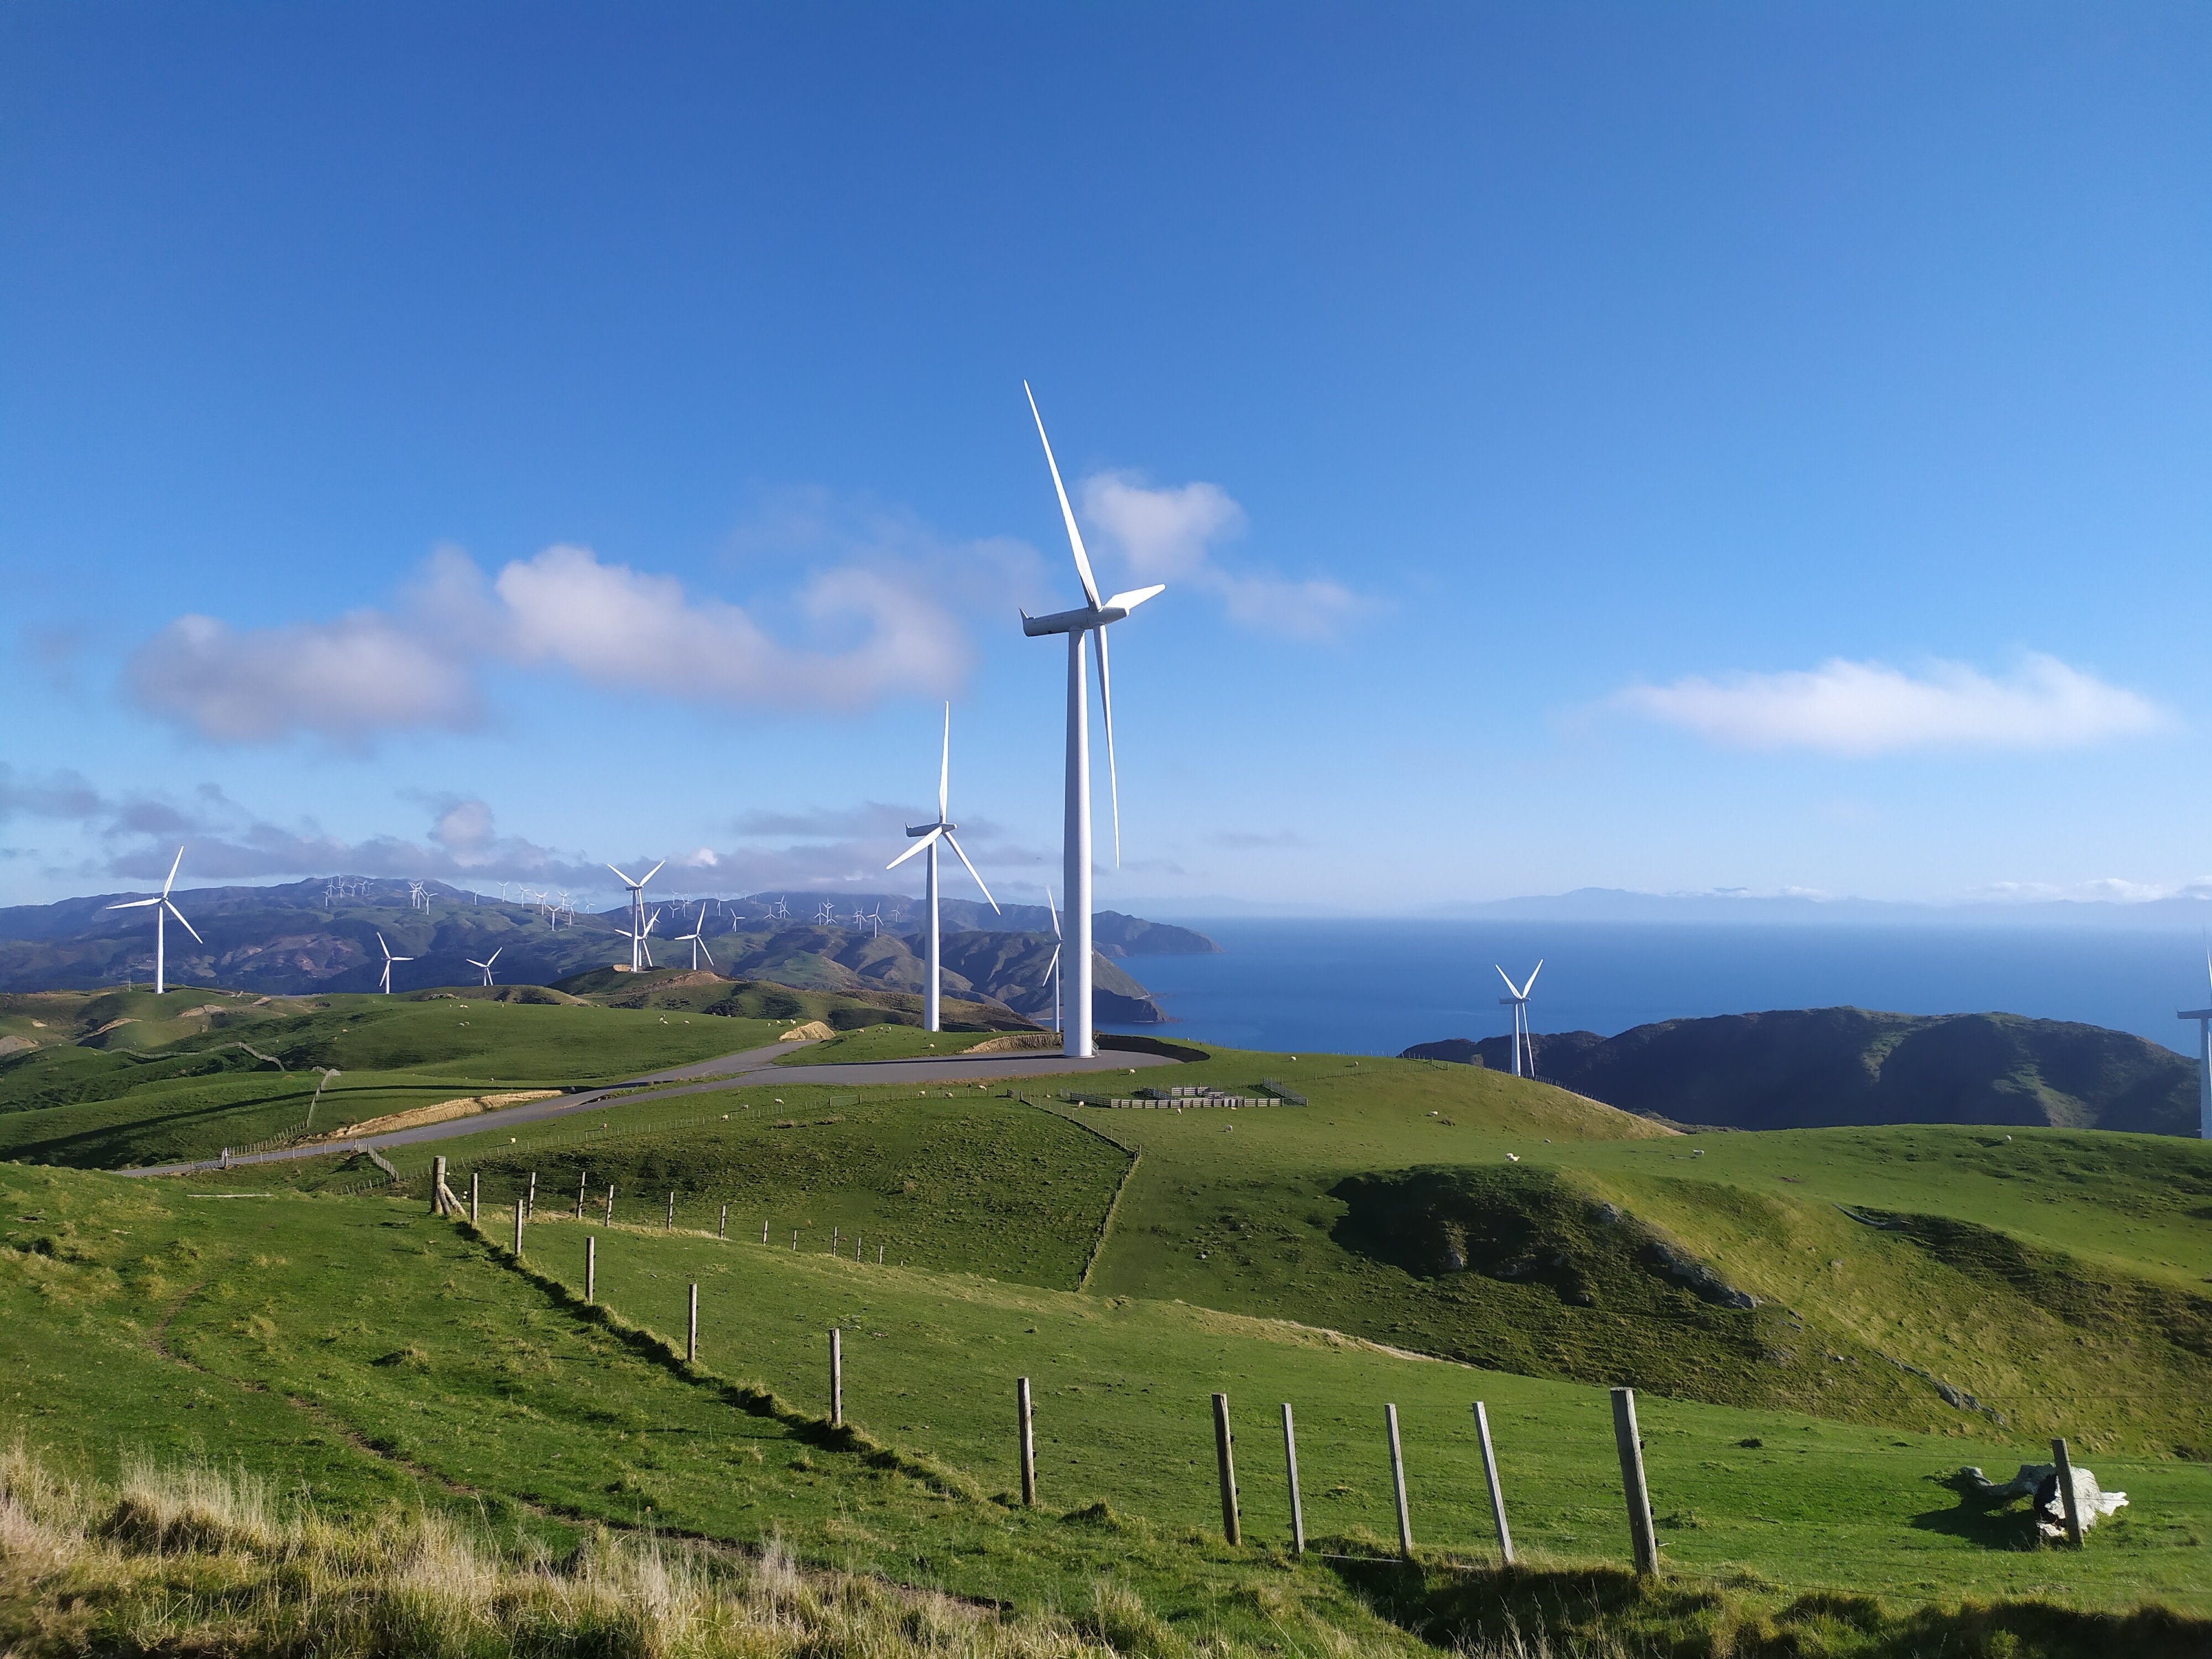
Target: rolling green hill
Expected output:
[1825,1068]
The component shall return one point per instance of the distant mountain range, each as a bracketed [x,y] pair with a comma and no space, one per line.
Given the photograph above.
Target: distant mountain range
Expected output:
[303,937]
[1610,904]
[1821,1067]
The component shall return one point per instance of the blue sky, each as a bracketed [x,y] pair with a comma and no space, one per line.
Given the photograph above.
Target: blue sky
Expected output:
[1673,448]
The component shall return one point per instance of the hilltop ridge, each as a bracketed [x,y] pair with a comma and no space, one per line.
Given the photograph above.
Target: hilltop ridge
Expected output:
[1831,1067]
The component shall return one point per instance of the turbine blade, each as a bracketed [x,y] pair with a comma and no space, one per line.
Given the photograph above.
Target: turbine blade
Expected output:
[135,904]
[382,946]
[1135,596]
[626,881]
[1532,972]
[651,873]
[944,767]
[1055,918]
[495,955]
[174,863]
[955,846]
[1050,968]
[181,922]
[1106,708]
[706,953]
[912,850]
[1507,977]
[1067,512]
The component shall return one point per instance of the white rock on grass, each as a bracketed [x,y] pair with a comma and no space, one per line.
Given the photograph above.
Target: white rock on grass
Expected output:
[2040,1482]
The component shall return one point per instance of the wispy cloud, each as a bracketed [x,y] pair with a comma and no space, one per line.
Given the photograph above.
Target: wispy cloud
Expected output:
[1865,708]
[1168,535]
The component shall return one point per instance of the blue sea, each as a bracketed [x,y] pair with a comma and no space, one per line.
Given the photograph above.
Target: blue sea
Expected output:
[1374,987]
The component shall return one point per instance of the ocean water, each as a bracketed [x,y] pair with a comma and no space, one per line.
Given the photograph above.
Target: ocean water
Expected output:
[1374,987]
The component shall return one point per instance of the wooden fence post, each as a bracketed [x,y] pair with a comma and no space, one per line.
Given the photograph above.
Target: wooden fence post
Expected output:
[591,1267]
[1630,1447]
[692,1342]
[723,1231]
[437,1185]
[474,1187]
[1291,1461]
[836,1378]
[671,1212]
[1490,1478]
[833,1240]
[1225,1460]
[518,1229]
[610,1204]
[531,1202]
[1398,1484]
[583,1181]
[1028,1441]
[2066,1497]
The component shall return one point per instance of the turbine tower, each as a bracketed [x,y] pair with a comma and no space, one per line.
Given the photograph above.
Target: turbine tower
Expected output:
[697,942]
[2204,1018]
[162,909]
[636,928]
[1519,1003]
[485,965]
[931,834]
[1075,836]
[389,959]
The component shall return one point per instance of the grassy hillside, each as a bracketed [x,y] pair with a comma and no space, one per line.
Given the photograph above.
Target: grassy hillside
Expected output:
[122,1076]
[385,1362]
[1824,1067]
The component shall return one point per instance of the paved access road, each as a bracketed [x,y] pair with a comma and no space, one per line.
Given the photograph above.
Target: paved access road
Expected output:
[703,1076]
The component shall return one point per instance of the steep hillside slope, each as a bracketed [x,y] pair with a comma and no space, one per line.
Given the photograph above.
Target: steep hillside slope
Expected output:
[1818,1067]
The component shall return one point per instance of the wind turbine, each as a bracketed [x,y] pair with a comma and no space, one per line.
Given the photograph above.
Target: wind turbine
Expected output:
[825,914]
[1075,838]
[698,944]
[637,922]
[388,960]
[638,946]
[2204,1018]
[1519,1003]
[486,966]
[1052,972]
[162,909]
[931,834]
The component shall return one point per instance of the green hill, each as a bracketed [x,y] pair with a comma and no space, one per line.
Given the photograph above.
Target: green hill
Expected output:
[1819,1067]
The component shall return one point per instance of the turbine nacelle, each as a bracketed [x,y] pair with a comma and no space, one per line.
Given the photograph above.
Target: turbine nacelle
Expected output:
[1092,616]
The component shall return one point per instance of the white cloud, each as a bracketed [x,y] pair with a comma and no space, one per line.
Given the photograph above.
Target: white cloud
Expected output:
[1166,535]
[852,634]
[627,630]
[1863,708]
[342,680]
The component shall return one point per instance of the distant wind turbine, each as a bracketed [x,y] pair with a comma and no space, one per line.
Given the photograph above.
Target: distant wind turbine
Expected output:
[1075,838]
[697,942]
[1519,1003]
[1052,972]
[2204,1018]
[931,834]
[162,909]
[388,960]
[636,929]
[486,965]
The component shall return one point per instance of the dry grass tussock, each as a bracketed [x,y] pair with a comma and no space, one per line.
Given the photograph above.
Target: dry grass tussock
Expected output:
[199,1560]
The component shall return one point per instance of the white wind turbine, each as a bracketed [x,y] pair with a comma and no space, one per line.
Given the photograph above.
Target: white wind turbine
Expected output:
[1052,972]
[162,909]
[388,960]
[1519,1003]
[2204,1018]
[1075,840]
[638,956]
[931,834]
[695,938]
[640,950]
[485,965]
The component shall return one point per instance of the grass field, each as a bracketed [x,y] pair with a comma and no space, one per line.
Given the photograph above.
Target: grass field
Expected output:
[1339,1254]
